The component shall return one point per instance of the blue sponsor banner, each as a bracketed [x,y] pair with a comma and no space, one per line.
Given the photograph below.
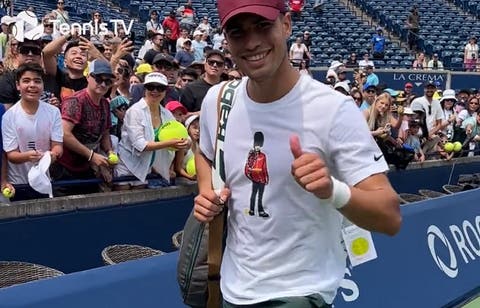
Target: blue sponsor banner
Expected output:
[465,81]
[434,260]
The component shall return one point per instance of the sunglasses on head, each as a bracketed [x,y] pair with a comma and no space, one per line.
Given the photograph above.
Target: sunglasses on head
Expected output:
[99,80]
[217,63]
[152,87]
[26,50]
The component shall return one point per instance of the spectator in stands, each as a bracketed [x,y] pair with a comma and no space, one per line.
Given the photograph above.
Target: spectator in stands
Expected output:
[140,151]
[234,74]
[224,46]
[71,79]
[184,56]
[198,45]
[372,78]
[447,102]
[357,96]
[463,96]
[470,111]
[119,100]
[359,79]
[29,130]
[352,61]
[378,44]
[413,140]
[198,66]
[7,22]
[408,94]
[183,37]
[86,125]
[157,47]
[169,46]
[296,8]
[218,39]
[342,87]
[303,68]
[185,76]
[172,23]
[188,16]
[153,25]
[178,110]
[193,128]
[194,92]
[205,26]
[433,113]
[470,57]
[413,26]
[362,64]
[379,117]
[369,95]
[107,49]
[297,52]
[61,14]
[164,64]
[4,183]
[434,63]
[28,51]
[10,60]
[420,62]
[472,127]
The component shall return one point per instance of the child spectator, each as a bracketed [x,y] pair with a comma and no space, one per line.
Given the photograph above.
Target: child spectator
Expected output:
[441,148]
[178,110]
[30,128]
[193,128]
[414,141]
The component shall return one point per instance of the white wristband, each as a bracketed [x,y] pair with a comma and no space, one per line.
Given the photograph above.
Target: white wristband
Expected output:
[341,194]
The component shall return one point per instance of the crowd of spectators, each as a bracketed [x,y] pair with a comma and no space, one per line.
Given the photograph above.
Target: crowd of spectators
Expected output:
[96,108]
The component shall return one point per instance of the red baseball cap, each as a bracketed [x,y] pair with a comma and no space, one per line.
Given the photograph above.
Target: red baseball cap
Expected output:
[174,105]
[269,9]
[408,85]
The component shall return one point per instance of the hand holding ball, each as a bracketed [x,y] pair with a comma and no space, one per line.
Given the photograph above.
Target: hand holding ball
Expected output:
[190,168]
[112,158]
[172,130]
[8,193]
[457,146]
[448,147]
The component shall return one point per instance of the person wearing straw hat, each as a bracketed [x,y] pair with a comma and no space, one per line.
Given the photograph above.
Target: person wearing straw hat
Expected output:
[322,165]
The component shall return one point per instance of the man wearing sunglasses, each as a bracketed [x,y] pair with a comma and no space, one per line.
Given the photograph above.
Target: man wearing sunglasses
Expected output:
[369,94]
[86,124]
[194,92]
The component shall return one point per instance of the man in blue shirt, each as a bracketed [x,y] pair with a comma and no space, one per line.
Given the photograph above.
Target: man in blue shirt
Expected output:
[378,44]
[372,78]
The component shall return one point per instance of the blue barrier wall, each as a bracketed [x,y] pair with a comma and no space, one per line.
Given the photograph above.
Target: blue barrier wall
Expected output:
[434,260]
[73,241]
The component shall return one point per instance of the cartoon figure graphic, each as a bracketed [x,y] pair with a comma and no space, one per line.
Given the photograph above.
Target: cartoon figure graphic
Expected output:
[256,171]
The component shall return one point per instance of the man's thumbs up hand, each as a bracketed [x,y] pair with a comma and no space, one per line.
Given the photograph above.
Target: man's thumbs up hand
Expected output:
[310,171]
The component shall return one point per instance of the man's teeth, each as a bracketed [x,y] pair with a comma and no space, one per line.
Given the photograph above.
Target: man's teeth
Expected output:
[256,57]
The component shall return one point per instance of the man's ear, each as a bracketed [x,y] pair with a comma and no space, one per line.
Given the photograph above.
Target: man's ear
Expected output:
[287,24]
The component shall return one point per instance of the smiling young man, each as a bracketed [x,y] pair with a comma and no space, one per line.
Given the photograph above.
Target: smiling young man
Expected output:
[29,129]
[317,164]
[86,124]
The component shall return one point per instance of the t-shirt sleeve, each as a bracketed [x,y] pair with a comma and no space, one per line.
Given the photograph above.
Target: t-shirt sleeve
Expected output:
[57,128]
[208,123]
[352,148]
[72,110]
[9,135]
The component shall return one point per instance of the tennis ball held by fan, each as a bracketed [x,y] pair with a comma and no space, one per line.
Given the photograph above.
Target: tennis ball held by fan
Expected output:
[172,130]
[190,167]
[448,147]
[8,193]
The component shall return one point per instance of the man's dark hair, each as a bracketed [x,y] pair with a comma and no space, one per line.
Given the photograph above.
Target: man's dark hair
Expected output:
[190,72]
[72,43]
[29,67]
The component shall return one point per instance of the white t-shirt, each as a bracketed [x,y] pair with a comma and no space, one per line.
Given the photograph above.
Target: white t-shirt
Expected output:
[297,52]
[27,132]
[297,250]
[471,51]
[433,113]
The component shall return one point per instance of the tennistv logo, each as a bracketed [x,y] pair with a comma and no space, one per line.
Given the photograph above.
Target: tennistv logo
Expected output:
[27,26]
[466,243]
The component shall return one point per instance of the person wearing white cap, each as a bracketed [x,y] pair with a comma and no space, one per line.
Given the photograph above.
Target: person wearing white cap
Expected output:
[140,150]
[447,102]
[6,22]
[198,45]
[193,128]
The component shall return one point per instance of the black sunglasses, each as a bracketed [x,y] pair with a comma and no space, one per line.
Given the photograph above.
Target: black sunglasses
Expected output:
[151,87]
[230,77]
[26,50]
[48,25]
[187,80]
[124,71]
[371,91]
[99,80]
[217,63]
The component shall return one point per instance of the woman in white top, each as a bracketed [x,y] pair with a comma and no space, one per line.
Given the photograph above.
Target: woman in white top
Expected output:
[297,51]
[139,151]
[61,14]
[470,56]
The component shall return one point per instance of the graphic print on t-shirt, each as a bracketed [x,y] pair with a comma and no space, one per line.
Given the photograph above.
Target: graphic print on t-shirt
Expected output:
[257,172]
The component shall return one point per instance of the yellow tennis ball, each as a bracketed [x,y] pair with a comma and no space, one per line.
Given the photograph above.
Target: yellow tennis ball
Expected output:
[172,130]
[190,168]
[112,159]
[360,246]
[448,147]
[8,193]
[457,146]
